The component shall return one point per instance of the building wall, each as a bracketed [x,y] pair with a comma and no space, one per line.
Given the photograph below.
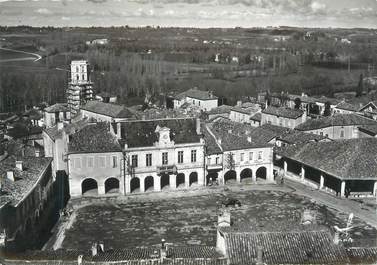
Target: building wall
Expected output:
[239,117]
[58,150]
[50,118]
[96,116]
[204,105]
[97,166]
[338,132]
[282,121]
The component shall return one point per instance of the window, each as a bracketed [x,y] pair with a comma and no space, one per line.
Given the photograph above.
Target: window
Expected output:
[242,157]
[193,155]
[115,162]
[199,103]
[102,161]
[83,77]
[342,134]
[217,160]
[148,160]
[90,161]
[193,101]
[250,156]
[180,157]
[280,122]
[209,161]
[260,154]
[134,161]
[165,158]
[77,77]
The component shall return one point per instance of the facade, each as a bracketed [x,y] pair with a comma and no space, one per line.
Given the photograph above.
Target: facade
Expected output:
[58,112]
[243,112]
[256,119]
[105,112]
[346,108]
[339,126]
[283,117]
[26,192]
[80,88]
[204,100]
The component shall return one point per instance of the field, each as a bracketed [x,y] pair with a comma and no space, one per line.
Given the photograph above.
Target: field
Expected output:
[192,220]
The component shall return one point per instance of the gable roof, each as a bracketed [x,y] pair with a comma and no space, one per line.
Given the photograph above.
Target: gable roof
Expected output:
[70,128]
[197,94]
[295,247]
[108,109]
[343,159]
[142,133]
[223,109]
[94,138]
[58,107]
[335,120]
[256,117]
[284,112]
[347,106]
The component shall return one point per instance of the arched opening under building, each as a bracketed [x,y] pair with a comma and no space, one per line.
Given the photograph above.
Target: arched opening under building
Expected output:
[230,176]
[180,180]
[246,175]
[89,187]
[261,173]
[165,181]
[149,184]
[212,178]
[112,185]
[193,178]
[135,185]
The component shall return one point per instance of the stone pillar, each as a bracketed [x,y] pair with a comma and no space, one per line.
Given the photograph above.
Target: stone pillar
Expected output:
[254,176]
[285,167]
[187,179]
[270,173]
[221,177]
[342,189]
[142,184]
[101,189]
[128,184]
[302,172]
[173,181]
[122,189]
[201,177]
[157,183]
[321,182]
[375,189]
[238,175]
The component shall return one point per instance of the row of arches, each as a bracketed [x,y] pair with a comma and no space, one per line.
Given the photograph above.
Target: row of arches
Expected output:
[245,175]
[90,186]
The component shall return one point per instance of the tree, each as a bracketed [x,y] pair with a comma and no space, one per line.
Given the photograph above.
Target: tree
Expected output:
[327,111]
[297,103]
[360,87]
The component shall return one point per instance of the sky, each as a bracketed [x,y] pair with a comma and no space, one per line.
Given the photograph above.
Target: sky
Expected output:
[190,13]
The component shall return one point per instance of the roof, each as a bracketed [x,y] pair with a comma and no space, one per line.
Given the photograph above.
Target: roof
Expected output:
[58,107]
[369,129]
[212,147]
[284,112]
[348,106]
[15,191]
[33,114]
[235,136]
[94,138]
[335,120]
[108,109]
[256,117]
[296,247]
[220,110]
[197,94]
[143,133]
[344,159]
[21,131]
[298,137]
[69,128]
[362,255]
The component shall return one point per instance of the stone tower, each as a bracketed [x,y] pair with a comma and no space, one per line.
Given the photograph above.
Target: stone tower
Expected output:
[80,88]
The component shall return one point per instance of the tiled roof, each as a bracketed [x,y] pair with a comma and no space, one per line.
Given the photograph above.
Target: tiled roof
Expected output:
[335,120]
[362,255]
[108,109]
[58,107]
[297,247]
[69,128]
[298,137]
[256,117]
[21,131]
[33,114]
[344,159]
[347,106]
[220,110]
[94,138]
[197,94]
[142,133]
[15,191]
[284,112]
[211,144]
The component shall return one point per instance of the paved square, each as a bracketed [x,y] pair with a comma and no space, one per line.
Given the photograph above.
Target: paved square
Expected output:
[192,220]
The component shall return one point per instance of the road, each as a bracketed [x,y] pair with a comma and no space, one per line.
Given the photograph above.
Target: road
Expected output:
[36,57]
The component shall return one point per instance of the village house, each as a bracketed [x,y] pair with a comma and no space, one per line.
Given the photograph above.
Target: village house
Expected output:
[58,112]
[204,100]
[105,112]
[221,111]
[346,108]
[369,110]
[26,193]
[344,168]
[256,119]
[338,126]
[242,112]
[283,117]
[106,97]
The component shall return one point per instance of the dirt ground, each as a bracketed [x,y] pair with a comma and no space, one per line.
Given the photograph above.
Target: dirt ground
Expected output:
[192,220]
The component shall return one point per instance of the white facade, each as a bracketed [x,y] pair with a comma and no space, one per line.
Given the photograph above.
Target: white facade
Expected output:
[204,105]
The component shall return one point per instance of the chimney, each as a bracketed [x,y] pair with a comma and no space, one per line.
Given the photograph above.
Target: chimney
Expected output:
[79,260]
[163,251]
[60,125]
[239,103]
[10,175]
[19,165]
[198,126]
[249,139]
[94,249]
[37,153]
[119,130]
[223,219]
[259,255]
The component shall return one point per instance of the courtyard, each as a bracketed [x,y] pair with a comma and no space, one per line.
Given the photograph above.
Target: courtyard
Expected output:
[191,220]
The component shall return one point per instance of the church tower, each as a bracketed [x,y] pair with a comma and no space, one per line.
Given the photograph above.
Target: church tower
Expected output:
[80,88]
